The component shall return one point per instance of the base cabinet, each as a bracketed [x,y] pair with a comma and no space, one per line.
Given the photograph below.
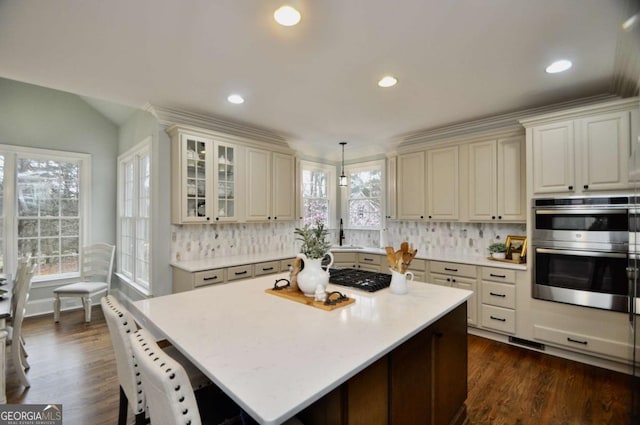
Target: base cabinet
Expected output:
[423,381]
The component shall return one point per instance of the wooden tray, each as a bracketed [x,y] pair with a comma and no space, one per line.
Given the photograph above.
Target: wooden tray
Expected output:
[299,297]
[522,260]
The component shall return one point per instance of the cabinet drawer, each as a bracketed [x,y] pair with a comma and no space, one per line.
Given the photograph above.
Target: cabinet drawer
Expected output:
[454,269]
[285,264]
[498,318]
[418,264]
[345,257]
[499,294]
[368,258]
[268,267]
[208,277]
[498,275]
[240,272]
[581,342]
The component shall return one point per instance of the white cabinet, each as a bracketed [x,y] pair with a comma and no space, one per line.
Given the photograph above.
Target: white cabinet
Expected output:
[458,276]
[497,180]
[411,186]
[203,178]
[226,186]
[270,185]
[191,178]
[391,201]
[442,183]
[581,150]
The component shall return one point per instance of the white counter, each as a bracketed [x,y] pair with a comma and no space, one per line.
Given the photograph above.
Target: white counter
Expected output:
[274,356]
[451,256]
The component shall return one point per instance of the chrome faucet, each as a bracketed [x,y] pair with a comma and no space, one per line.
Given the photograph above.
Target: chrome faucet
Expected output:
[341,233]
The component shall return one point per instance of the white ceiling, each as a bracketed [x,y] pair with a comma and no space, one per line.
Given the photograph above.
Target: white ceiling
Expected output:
[315,83]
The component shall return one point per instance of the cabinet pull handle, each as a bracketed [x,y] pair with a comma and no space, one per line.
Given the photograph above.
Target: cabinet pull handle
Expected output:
[240,273]
[577,341]
[266,269]
[450,270]
[499,319]
[368,259]
[503,276]
[211,278]
[498,295]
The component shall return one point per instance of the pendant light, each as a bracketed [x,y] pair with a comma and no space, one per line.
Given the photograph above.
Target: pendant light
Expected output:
[343,179]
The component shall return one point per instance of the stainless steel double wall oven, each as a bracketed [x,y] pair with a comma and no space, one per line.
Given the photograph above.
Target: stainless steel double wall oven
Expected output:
[580,249]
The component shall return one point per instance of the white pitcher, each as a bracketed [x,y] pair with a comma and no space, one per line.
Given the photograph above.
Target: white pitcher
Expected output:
[399,282]
[312,274]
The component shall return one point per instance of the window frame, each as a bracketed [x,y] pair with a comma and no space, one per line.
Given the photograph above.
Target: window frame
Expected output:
[11,154]
[304,165]
[344,199]
[134,154]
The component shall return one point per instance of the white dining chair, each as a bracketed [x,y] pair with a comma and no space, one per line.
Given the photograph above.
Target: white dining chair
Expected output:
[121,324]
[95,278]
[14,337]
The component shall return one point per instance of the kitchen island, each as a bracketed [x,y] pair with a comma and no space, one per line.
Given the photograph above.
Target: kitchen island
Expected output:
[385,358]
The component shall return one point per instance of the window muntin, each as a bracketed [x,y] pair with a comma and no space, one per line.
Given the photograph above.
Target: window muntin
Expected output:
[364,203]
[318,193]
[134,215]
[48,213]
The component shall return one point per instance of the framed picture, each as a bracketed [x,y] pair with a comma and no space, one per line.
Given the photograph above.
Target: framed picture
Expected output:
[516,244]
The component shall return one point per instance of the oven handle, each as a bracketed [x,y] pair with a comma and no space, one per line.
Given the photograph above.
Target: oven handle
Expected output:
[577,211]
[581,253]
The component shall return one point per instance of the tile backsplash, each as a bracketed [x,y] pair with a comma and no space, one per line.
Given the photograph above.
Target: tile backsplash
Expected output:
[202,241]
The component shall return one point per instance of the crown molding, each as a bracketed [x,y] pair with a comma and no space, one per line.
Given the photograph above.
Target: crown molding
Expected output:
[500,123]
[170,116]
[565,114]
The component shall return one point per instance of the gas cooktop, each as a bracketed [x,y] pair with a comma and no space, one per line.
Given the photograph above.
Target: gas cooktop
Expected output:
[360,279]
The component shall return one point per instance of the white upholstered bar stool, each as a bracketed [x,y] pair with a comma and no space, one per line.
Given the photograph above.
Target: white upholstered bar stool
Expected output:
[95,274]
[169,393]
[121,324]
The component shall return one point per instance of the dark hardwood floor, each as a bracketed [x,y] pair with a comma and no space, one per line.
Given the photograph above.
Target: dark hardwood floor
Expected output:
[72,363]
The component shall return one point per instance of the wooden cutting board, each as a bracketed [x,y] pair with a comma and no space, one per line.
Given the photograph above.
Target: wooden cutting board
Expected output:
[299,297]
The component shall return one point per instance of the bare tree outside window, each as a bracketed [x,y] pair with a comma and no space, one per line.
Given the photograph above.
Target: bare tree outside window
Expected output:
[365,198]
[48,212]
[315,197]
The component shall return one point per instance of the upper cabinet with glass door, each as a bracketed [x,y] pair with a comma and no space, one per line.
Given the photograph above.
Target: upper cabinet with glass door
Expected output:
[226,166]
[191,181]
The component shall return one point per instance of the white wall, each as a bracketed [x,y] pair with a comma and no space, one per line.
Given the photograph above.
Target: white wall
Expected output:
[38,117]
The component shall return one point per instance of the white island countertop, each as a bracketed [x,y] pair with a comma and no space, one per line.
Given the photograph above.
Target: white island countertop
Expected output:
[274,356]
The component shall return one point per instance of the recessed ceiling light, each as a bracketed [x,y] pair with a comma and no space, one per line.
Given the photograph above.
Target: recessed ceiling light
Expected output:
[388,81]
[286,16]
[629,23]
[235,98]
[559,66]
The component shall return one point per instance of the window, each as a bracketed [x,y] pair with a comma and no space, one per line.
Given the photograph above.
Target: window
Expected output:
[45,213]
[134,214]
[318,193]
[364,203]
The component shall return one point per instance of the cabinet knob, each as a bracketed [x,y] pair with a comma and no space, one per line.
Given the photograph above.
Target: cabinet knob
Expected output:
[448,280]
[207,218]
[570,188]
[493,217]
[275,218]
[499,217]
[421,216]
[429,216]
[269,218]
[586,186]
[217,218]
[453,280]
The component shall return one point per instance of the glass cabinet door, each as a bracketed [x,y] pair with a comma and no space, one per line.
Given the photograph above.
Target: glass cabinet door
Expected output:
[226,164]
[195,194]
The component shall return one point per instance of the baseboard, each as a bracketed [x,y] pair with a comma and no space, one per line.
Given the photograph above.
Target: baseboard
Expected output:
[557,352]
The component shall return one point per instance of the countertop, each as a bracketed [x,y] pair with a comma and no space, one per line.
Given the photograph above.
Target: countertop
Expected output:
[275,357]
[436,255]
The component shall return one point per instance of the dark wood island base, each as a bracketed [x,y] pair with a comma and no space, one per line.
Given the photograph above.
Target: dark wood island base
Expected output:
[423,381]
